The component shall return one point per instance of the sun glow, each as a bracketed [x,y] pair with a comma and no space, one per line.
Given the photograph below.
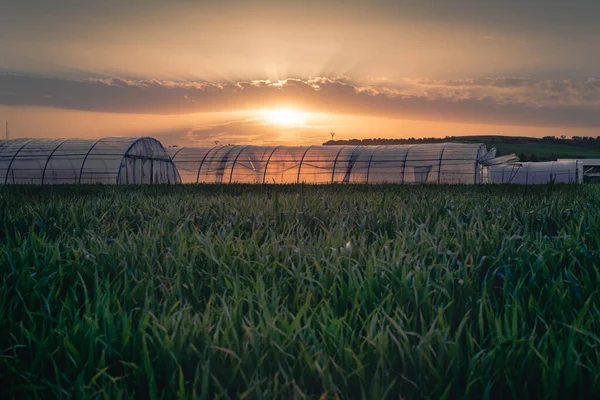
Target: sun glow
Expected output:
[284,116]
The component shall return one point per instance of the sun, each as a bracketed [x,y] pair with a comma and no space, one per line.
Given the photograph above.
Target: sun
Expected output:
[284,116]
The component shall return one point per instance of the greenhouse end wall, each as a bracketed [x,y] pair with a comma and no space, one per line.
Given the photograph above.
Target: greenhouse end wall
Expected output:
[83,161]
[443,163]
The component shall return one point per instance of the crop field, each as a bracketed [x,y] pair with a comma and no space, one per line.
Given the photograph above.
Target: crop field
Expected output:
[545,151]
[300,292]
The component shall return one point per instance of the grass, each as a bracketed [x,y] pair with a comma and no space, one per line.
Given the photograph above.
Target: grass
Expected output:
[300,292]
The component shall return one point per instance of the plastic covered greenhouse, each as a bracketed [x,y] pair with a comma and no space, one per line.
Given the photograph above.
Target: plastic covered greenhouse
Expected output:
[79,161]
[423,163]
[531,173]
[146,161]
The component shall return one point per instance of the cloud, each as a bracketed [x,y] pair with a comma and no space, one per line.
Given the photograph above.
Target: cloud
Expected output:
[497,100]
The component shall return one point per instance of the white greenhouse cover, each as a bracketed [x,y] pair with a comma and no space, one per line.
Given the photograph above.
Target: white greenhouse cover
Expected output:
[531,173]
[437,163]
[83,161]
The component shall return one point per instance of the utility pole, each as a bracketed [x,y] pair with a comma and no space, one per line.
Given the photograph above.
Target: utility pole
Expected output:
[216,142]
[332,135]
[6,131]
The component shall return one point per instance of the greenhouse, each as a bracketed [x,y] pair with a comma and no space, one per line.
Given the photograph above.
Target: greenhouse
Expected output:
[146,161]
[442,163]
[532,173]
[81,161]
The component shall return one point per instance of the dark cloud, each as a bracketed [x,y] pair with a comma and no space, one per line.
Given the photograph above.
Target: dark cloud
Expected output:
[242,39]
[540,14]
[501,100]
[574,14]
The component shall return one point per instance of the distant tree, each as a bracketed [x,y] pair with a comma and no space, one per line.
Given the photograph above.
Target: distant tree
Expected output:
[523,157]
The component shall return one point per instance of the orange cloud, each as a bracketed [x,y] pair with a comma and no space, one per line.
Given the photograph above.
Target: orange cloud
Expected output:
[502,100]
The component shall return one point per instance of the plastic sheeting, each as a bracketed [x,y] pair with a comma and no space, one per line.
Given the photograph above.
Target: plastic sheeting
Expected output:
[531,173]
[444,163]
[81,161]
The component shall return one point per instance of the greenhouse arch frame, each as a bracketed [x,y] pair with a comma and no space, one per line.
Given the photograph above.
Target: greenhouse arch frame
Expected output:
[112,160]
[437,163]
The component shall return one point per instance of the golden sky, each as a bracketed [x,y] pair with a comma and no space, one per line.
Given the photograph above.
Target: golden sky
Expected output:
[191,72]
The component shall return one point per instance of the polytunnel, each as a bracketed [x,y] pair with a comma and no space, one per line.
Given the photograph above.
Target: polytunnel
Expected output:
[531,173]
[82,161]
[440,163]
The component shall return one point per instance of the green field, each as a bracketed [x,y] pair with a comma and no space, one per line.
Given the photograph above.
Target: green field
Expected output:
[526,148]
[536,149]
[292,291]
[546,152]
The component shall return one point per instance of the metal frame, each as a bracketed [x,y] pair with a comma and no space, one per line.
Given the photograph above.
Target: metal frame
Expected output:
[133,173]
[234,161]
[13,159]
[254,170]
[49,157]
[223,164]
[127,173]
[151,171]
[440,163]
[513,172]
[48,148]
[85,159]
[301,161]
[202,162]
[3,143]
[125,156]
[370,160]
[177,152]
[335,163]
[404,162]
[481,146]
[353,157]
[175,171]
[268,161]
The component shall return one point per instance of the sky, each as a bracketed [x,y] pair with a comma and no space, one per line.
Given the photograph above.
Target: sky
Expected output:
[290,72]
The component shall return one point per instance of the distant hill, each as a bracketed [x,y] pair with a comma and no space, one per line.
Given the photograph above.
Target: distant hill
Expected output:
[548,148]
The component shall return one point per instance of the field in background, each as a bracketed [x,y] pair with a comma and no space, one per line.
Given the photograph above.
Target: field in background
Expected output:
[294,291]
[527,148]
[545,151]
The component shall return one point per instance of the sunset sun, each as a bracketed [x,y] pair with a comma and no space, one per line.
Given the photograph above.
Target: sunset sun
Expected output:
[284,116]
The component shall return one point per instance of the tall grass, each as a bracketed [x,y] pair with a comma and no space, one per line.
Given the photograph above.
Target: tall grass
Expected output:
[300,292]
